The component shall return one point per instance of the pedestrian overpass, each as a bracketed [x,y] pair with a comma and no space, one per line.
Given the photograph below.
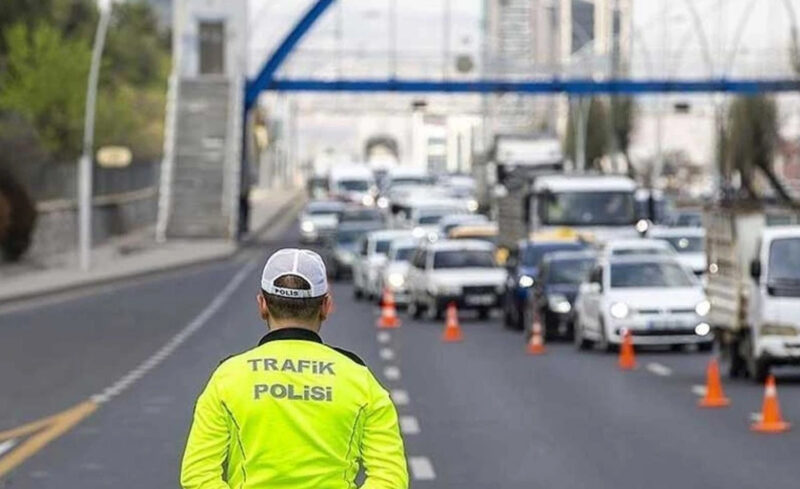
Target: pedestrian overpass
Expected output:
[211,96]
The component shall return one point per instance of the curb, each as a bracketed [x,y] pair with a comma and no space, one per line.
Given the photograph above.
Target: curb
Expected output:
[88,284]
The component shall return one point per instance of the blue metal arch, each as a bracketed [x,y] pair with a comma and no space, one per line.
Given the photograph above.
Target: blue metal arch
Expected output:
[265,80]
[568,86]
[265,77]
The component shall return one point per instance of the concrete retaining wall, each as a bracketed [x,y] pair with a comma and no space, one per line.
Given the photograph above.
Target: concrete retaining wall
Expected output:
[113,215]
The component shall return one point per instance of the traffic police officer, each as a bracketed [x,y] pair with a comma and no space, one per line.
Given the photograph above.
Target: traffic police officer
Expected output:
[294,412]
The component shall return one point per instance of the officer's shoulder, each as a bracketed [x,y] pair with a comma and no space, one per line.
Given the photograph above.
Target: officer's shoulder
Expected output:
[352,356]
[232,356]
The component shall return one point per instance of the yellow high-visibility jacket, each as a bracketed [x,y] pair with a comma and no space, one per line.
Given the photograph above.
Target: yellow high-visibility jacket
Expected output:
[293,413]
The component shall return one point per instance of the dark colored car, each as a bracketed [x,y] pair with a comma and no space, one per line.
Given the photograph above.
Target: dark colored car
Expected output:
[553,296]
[340,249]
[523,267]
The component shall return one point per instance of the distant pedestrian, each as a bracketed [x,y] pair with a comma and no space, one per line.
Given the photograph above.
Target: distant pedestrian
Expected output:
[294,412]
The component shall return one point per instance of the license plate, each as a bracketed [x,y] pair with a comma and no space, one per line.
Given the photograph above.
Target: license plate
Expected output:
[479,300]
[666,324]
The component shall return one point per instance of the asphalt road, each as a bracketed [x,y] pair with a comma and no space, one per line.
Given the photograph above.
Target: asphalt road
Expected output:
[477,414]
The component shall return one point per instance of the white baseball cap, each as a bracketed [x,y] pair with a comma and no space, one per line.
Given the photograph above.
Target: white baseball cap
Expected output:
[292,261]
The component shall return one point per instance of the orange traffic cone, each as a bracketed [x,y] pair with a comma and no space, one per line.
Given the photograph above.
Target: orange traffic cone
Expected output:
[627,359]
[714,397]
[771,420]
[536,343]
[388,319]
[452,331]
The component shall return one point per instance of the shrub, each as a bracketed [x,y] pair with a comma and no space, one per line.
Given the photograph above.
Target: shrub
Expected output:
[21,217]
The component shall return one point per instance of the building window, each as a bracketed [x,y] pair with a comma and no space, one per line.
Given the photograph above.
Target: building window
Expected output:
[212,48]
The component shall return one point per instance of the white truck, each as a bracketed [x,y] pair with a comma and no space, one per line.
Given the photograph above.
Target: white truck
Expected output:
[754,289]
[503,180]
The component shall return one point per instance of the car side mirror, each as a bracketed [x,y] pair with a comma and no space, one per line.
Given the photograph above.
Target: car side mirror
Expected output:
[755,270]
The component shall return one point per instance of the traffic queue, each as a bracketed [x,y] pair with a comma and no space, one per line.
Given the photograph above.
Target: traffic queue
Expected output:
[423,241]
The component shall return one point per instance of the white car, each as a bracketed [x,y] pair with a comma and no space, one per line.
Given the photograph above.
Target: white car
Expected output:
[459,271]
[637,247]
[370,258]
[319,220]
[689,243]
[424,217]
[393,274]
[653,297]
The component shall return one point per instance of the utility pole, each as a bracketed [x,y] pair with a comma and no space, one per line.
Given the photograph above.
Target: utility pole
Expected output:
[85,165]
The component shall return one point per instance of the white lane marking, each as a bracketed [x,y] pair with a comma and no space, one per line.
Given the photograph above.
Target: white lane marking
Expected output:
[421,468]
[387,354]
[756,417]
[384,337]
[409,425]
[391,373]
[699,390]
[7,445]
[400,397]
[194,325]
[659,369]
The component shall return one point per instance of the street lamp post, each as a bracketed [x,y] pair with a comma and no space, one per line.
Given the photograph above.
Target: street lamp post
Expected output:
[85,162]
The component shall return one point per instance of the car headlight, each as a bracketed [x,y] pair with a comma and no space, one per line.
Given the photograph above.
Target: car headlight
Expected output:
[526,281]
[307,226]
[383,202]
[472,205]
[418,233]
[771,329]
[368,200]
[396,280]
[702,329]
[619,310]
[702,308]
[559,303]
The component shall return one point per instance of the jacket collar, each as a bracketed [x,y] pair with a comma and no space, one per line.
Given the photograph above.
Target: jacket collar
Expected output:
[291,334]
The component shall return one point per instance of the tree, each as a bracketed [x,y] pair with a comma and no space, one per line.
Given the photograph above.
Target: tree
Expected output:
[597,133]
[45,82]
[623,120]
[751,140]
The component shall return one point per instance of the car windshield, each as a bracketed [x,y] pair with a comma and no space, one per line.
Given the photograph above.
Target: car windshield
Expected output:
[587,208]
[568,272]
[689,219]
[784,261]
[323,209]
[382,246]
[534,253]
[362,215]
[400,181]
[349,236]
[403,254]
[686,244]
[353,185]
[463,259]
[654,274]
[430,219]
[638,251]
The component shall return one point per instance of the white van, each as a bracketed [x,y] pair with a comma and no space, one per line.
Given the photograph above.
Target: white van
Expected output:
[352,183]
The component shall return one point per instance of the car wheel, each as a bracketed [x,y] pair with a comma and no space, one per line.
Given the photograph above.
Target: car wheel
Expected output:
[483,313]
[414,309]
[581,343]
[357,293]
[432,311]
[606,345]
